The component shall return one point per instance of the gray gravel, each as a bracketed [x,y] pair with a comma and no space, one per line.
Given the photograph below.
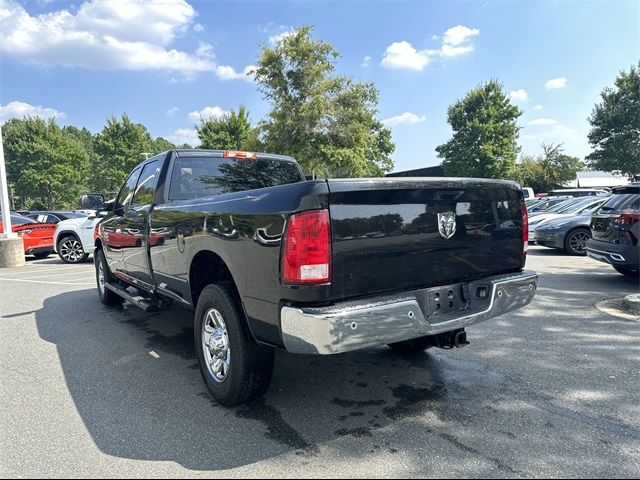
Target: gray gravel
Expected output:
[90,391]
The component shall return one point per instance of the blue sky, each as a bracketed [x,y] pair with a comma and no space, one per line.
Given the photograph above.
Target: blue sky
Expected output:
[169,62]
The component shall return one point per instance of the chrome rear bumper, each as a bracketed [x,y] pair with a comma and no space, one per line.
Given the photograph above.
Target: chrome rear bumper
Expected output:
[354,325]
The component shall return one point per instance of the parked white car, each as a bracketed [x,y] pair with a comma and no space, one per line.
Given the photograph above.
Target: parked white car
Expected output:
[73,239]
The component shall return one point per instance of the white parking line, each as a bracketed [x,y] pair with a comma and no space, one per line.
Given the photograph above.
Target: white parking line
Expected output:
[45,283]
[50,275]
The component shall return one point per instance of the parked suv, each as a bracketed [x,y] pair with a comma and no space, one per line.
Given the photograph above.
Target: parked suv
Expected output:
[615,230]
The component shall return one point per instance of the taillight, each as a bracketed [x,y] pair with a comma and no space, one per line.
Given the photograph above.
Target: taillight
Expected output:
[238,154]
[627,218]
[525,227]
[306,251]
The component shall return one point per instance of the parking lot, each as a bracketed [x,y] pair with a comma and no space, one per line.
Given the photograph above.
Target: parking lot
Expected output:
[551,390]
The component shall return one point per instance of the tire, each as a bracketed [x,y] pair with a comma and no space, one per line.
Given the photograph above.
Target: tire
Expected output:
[575,241]
[41,255]
[244,368]
[107,297]
[415,345]
[70,250]
[627,272]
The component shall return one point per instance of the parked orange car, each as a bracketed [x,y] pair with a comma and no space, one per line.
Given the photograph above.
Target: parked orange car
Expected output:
[37,237]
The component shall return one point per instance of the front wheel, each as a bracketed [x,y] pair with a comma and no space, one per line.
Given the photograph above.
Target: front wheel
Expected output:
[234,367]
[70,250]
[627,272]
[575,242]
[103,276]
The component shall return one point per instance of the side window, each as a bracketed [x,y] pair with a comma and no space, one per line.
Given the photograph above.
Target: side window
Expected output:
[147,184]
[126,192]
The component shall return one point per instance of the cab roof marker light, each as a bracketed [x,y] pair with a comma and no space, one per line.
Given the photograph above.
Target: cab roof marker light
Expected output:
[239,154]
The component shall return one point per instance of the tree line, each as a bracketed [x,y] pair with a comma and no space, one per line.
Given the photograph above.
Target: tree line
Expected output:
[328,122]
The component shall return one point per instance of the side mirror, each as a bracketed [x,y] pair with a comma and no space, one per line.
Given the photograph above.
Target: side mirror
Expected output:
[92,201]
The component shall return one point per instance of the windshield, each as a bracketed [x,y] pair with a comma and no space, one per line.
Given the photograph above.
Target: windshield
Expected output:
[576,206]
[557,207]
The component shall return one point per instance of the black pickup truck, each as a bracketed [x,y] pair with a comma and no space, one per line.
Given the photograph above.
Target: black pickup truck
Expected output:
[270,260]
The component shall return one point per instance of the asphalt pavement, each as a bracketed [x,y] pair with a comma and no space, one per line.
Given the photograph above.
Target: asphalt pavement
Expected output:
[91,391]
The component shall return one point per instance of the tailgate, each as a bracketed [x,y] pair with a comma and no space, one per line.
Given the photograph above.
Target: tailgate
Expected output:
[397,234]
[601,228]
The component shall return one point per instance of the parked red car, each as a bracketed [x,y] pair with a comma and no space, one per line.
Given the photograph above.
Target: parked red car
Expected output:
[37,237]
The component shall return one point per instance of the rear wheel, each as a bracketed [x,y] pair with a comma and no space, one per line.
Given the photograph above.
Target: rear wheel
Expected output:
[414,345]
[627,271]
[576,241]
[103,276]
[70,250]
[234,367]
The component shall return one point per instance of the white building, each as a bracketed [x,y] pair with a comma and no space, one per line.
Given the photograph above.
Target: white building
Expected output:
[593,179]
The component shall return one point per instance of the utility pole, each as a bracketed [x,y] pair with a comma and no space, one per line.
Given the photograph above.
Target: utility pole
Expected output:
[11,246]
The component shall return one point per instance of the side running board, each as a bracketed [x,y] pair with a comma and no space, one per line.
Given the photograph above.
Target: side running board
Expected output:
[145,303]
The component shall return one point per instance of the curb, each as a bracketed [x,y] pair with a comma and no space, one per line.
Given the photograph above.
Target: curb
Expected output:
[631,303]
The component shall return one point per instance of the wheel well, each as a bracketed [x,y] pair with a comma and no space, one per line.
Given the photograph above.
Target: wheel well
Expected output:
[68,233]
[207,268]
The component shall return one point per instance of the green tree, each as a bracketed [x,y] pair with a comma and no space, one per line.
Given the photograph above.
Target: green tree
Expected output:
[44,164]
[327,122]
[232,131]
[615,127]
[119,147]
[160,145]
[485,134]
[552,169]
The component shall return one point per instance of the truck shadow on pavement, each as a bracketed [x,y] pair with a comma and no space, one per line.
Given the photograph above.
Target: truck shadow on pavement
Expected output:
[136,384]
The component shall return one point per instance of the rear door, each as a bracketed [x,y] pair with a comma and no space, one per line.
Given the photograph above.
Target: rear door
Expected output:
[392,235]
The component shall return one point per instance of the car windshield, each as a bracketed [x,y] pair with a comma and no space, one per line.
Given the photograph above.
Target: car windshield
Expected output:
[557,207]
[68,215]
[576,206]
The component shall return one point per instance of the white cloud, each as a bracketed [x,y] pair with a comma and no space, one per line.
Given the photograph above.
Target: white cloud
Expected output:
[459,34]
[403,55]
[555,83]
[207,113]
[171,112]
[198,28]
[274,39]
[225,72]
[366,62]
[543,121]
[519,95]
[185,135]
[407,118]
[22,109]
[106,35]
[557,134]
[538,107]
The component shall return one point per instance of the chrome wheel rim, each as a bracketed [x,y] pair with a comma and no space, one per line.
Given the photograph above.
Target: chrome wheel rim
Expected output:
[101,279]
[215,345]
[578,241]
[71,250]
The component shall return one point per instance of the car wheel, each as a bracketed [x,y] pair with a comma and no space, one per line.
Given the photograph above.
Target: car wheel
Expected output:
[234,367]
[41,255]
[70,250]
[414,345]
[628,272]
[103,276]
[575,241]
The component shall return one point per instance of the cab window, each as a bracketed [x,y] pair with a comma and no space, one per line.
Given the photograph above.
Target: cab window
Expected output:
[126,193]
[147,184]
